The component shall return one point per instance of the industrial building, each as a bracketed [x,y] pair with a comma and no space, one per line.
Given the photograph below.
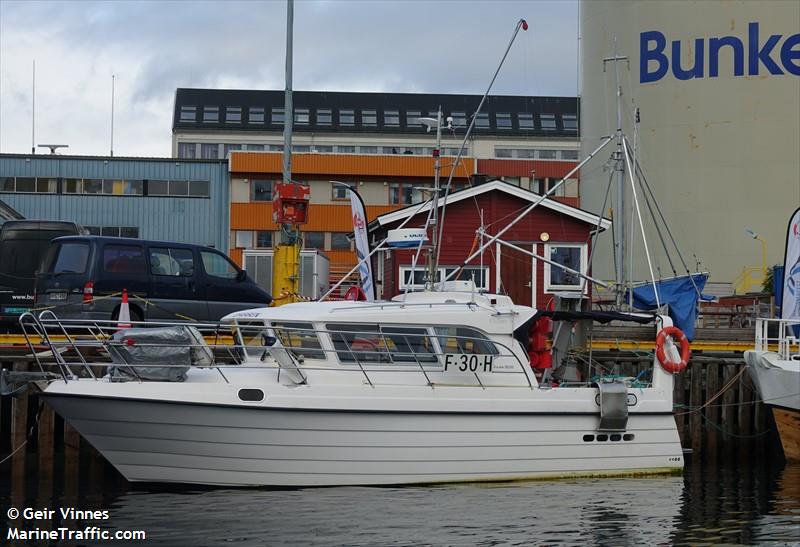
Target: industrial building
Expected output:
[717,87]
[210,123]
[151,198]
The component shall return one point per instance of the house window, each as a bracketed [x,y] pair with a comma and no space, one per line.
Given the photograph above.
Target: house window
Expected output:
[301,148]
[404,193]
[256,115]
[199,188]
[227,148]
[412,118]
[314,240]
[369,118]
[262,190]
[187,150]
[209,151]
[179,187]
[482,120]
[254,147]
[570,255]
[542,186]
[459,119]
[525,120]
[503,120]
[276,148]
[244,239]
[346,149]
[340,192]
[570,122]
[548,121]
[323,148]
[547,154]
[263,239]
[526,153]
[368,149]
[233,114]
[324,116]
[503,152]
[155,188]
[347,117]
[210,114]
[391,118]
[301,116]
[278,116]
[569,154]
[188,113]
[339,241]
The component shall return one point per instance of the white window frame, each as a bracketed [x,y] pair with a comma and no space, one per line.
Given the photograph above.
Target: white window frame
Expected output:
[443,270]
[551,288]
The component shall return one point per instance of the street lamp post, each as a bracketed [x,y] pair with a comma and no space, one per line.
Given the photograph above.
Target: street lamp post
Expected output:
[755,236]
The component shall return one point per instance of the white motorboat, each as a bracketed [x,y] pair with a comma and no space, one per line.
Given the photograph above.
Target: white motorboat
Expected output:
[435,387]
[774,366]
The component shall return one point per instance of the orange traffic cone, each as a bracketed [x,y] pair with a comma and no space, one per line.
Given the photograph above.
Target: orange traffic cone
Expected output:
[124,319]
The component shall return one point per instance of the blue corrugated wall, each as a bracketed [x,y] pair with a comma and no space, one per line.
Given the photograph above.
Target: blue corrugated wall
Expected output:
[204,221]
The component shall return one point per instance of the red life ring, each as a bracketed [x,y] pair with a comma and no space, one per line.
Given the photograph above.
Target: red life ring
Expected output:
[686,351]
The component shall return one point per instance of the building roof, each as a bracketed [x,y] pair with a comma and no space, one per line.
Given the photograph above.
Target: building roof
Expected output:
[109,158]
[495,185]
[337,111]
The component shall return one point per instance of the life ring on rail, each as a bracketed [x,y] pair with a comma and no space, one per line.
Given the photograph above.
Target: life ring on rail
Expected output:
[686,351]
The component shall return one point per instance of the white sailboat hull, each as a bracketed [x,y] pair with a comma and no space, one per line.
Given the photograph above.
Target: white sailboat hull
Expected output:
[156,441]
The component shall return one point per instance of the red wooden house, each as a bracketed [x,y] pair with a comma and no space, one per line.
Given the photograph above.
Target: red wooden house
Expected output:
[554,230]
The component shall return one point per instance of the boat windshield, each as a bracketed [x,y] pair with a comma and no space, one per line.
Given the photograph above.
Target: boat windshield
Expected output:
[355,342]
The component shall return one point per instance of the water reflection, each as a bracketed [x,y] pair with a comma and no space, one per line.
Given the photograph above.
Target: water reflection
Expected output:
[739,504]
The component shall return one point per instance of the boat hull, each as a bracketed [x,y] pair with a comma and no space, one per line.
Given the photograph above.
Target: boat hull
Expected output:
[788,422]
[157,441]
[778,384]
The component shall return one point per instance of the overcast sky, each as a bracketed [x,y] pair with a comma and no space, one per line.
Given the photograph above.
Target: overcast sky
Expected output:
[154,47]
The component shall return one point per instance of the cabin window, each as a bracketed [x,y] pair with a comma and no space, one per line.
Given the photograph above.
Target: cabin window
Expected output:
[300,338]
[453,339]
[369,343]
[570,255]
[415,279]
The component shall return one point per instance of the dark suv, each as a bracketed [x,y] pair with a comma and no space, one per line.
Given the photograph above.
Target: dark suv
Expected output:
[82,276]
[23,243]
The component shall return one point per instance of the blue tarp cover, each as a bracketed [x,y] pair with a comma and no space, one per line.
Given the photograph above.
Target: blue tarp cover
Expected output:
[679,294]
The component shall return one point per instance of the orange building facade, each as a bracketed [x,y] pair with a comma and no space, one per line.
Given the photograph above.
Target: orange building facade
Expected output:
[385,183]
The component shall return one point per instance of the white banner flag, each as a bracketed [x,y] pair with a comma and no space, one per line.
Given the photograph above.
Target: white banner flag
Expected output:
[790,309]
[362,243]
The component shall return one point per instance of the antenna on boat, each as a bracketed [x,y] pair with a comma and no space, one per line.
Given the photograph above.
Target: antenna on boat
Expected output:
[619,167]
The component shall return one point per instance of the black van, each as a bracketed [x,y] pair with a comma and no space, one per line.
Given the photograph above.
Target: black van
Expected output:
[23,244]
[165,281]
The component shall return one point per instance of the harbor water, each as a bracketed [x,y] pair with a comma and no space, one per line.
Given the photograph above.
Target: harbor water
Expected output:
[751,501]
